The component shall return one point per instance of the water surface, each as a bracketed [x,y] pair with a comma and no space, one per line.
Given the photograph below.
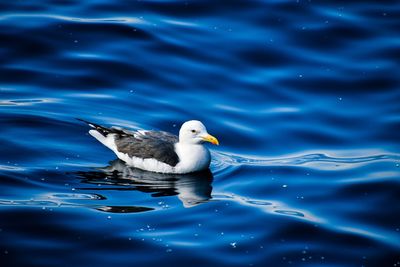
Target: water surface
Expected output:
[303,96]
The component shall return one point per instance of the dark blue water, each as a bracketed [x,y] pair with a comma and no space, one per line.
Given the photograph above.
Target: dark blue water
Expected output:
[303,96]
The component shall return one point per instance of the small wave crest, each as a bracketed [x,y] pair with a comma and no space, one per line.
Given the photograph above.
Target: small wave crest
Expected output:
[320,161]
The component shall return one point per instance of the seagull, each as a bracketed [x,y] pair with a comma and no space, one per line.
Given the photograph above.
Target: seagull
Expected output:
[159,151]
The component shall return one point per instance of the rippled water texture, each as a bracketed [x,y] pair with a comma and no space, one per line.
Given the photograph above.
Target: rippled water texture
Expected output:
[303,96]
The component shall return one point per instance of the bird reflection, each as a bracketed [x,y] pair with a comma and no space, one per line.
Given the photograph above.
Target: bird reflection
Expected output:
[192,189]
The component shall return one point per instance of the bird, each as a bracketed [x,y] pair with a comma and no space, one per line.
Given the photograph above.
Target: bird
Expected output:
[159,151]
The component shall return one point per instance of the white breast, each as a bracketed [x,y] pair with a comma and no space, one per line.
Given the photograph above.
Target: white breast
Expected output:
[193,157]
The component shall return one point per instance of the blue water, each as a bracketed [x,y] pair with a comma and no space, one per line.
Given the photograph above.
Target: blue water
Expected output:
[303,96]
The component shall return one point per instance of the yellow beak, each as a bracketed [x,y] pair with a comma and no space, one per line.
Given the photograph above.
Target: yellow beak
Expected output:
[211,139]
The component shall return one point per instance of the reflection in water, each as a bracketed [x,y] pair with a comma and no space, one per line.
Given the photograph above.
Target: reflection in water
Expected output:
[192,189]
[123,209]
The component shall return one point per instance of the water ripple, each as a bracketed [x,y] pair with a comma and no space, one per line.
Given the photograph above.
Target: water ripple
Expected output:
[128,20]
[267,206]
[314,160]
[26,102]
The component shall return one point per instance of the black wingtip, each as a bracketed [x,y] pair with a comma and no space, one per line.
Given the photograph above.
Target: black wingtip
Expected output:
[103,130]
[91,124]
[82,120]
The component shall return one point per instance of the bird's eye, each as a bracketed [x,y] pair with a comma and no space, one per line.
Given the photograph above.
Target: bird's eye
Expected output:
[193,131]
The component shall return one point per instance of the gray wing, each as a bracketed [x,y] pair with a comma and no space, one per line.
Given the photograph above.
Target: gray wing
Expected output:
[142,144]
[149,144]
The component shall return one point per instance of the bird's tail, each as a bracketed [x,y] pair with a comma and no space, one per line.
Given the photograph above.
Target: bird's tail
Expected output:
[102,134]
[104,131]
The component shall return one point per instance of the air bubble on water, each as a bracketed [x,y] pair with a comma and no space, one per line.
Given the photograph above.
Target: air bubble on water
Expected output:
[284,186]
[233,244]
[109,217]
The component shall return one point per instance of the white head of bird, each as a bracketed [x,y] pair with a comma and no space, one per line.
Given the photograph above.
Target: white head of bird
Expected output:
[194,132]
